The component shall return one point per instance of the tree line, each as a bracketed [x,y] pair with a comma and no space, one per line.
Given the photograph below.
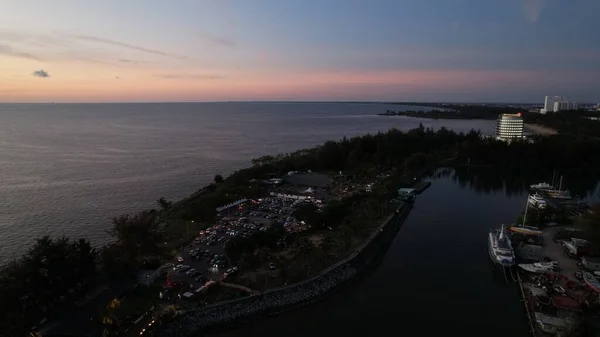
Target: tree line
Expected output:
[573,122]
[57,272]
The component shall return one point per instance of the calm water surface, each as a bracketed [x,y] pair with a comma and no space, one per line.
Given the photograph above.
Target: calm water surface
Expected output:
[69,168]
[436,279]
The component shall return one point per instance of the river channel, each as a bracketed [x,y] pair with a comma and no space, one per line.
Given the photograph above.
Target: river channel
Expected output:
[436,278]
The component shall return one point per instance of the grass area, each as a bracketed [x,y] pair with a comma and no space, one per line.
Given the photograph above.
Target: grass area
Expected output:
[307,254]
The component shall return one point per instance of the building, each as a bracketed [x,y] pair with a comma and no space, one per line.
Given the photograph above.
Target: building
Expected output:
[557,103]
[509,126]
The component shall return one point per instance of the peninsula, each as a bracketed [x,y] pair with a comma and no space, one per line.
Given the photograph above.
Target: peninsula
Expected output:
[286,220]
[573,122]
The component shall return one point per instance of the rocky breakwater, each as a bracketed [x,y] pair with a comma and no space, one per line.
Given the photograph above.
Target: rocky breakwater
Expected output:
[273,301]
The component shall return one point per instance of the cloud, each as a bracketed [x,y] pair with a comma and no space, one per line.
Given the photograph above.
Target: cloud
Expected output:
[532,9]
[188,77]
[218,41]
[41,73]
[9,51]
[222,42]
[128,61]
[125,45]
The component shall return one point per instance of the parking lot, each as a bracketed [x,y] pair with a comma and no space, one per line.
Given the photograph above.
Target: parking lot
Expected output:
[204,259]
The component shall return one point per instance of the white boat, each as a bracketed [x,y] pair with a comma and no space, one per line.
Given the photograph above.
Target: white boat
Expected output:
[591,281]
[500,248]
[542,186]
[535,200]
[540,267]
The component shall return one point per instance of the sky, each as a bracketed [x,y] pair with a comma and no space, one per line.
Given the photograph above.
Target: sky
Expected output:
[299,50]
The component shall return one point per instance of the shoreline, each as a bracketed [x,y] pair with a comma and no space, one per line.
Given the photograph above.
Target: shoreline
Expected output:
[367,256]
[540,129]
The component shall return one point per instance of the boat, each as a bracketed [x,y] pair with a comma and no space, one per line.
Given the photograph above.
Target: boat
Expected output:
[536,201]
[540,267]
[591,281]
[542,186]
[522,229]
[500,248]
[527,230]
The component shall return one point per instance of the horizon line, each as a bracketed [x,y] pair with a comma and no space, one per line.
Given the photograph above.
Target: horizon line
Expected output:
[286,101]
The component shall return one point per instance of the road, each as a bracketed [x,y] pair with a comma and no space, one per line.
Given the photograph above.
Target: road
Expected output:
[556,252]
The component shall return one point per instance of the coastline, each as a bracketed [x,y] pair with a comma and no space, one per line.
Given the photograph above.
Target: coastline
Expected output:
[244,309]
[540,129]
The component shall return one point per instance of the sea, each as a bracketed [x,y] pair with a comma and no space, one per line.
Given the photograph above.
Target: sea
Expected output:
[67,169]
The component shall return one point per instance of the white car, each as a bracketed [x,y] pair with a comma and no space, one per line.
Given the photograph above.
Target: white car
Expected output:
[179,259]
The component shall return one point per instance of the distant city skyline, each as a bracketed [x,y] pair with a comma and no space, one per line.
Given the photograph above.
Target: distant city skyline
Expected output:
[336,50]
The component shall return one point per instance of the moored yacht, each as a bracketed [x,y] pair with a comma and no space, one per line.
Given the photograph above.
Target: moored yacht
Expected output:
[542,186]
[500,248]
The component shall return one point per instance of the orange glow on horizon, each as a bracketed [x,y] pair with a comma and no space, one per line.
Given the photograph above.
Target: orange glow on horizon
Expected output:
[82,84]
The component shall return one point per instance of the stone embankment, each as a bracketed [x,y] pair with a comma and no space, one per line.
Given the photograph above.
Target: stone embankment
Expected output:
[277,300]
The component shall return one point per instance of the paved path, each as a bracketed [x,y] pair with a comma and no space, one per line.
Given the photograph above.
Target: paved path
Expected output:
[556,252]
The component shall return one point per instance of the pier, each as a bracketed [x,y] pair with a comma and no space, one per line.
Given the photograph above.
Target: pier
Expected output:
[525,300]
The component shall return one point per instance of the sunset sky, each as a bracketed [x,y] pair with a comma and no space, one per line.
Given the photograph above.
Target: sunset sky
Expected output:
[225,50]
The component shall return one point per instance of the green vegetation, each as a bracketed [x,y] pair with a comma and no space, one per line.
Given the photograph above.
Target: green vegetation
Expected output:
[573,123]
[52,273]
[455,111]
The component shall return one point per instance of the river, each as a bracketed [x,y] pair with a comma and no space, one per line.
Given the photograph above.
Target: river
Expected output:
[436,278]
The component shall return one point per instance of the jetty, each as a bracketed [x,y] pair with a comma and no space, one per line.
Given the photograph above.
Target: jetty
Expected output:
[528,309]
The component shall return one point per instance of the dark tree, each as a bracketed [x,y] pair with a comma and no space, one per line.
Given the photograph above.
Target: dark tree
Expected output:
[164,203]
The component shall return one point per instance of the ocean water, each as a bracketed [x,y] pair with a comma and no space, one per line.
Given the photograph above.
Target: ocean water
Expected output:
[69,168]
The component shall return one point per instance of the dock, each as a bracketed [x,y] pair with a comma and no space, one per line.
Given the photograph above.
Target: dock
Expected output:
[527,309]
[421,186]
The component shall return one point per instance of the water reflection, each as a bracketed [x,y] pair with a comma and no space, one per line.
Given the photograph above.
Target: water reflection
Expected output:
[489,180]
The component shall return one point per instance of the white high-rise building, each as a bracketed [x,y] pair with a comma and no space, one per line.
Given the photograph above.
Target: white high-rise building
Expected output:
[557,103]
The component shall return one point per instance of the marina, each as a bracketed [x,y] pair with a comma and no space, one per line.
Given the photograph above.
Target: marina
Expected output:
[556,274]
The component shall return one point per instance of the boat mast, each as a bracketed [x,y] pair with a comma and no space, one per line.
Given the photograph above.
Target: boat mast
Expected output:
[525,215]
[553,177]
[560,185]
